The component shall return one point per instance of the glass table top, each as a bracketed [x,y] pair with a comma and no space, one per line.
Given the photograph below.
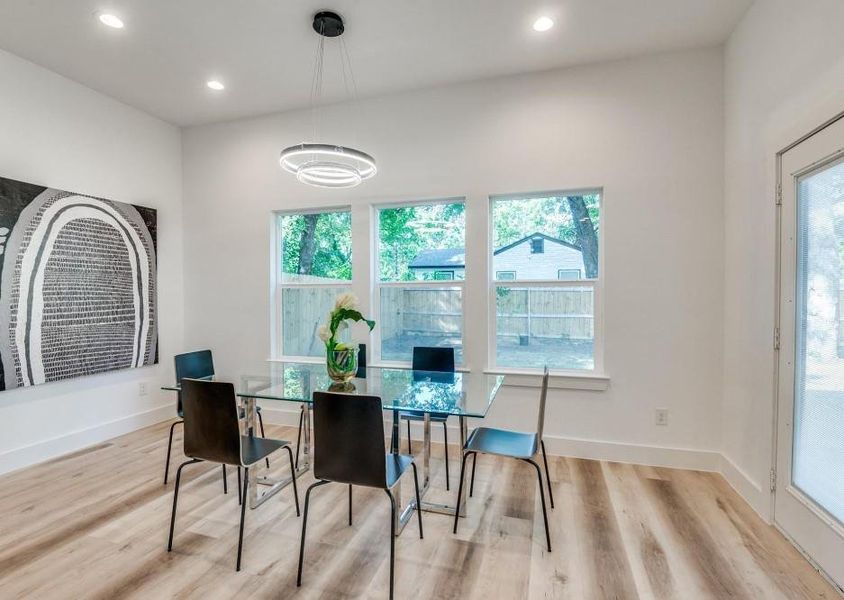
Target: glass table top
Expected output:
[465,394]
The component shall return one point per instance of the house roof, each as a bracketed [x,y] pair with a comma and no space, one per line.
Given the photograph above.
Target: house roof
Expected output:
[455,258]
[534,235]
[443,258]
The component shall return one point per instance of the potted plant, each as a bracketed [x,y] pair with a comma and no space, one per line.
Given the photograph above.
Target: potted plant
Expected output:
[342,358]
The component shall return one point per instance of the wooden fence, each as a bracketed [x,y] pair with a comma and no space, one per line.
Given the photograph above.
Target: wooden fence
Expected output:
[523,313]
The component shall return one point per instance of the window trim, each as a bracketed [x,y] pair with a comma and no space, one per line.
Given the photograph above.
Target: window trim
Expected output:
[376,284]
[277,283]
[596,284]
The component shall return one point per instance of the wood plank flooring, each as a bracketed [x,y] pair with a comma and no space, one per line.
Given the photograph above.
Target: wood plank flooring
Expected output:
[94,525]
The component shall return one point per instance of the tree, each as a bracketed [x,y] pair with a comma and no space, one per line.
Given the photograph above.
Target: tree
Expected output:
[587,239]
[307,244]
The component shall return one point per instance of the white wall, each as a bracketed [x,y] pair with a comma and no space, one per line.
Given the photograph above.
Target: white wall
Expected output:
[784,68]
[57,133]
[648,130]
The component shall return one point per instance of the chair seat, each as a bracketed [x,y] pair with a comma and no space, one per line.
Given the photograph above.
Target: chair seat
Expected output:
[254,449]
[397,464]
[502,442]
[417,417]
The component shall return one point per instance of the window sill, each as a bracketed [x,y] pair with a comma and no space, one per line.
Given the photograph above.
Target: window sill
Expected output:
[557,380]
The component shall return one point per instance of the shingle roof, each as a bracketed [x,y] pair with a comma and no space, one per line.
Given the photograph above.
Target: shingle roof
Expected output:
[440,258]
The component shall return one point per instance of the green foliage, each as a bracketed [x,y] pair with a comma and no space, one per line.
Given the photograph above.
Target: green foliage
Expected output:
[514,219]
[333,240]
[404,232]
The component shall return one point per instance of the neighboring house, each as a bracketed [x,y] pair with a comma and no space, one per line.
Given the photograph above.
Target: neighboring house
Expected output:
[536,256]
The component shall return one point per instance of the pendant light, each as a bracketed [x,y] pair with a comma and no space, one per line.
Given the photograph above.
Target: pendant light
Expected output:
[328,165]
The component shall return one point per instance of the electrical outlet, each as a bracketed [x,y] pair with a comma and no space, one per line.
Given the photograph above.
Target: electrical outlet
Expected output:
[143,389]
[661,417]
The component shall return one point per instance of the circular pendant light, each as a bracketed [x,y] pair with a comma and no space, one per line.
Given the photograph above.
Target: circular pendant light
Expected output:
[327,165]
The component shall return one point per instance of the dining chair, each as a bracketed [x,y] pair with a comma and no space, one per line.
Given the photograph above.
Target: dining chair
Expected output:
[212,433]
[350,449]
[511,444]
[198,365]
[361,374]
[437,360]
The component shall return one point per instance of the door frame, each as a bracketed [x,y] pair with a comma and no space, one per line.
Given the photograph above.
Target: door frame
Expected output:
[778,325]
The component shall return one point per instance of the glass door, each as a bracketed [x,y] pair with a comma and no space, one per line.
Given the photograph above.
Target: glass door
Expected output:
[809,501]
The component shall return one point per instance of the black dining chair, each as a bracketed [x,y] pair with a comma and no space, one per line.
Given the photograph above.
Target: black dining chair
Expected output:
[212,433]
[361,374]
[512,444]
[198,365]
[350,449]
[438,360]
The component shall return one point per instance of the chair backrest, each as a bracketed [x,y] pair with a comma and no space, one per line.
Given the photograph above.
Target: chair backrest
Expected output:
[543,394]
[212,430]
[433,359]
[194,365]
[361,374]
[349,442]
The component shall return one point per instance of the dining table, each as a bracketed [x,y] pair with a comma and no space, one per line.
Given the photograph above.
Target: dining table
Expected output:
[463,395]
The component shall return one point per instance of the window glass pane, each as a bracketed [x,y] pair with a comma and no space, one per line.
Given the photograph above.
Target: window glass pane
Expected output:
[417,242]
[304,309]
[568,274]
[420,316]
[818,450]
[540,236]
[545,326]
[316,247]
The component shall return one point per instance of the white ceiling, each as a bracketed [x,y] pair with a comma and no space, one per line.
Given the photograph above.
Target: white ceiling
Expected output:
[263,49]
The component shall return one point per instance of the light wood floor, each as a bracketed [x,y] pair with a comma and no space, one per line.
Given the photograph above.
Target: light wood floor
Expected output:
[94,525]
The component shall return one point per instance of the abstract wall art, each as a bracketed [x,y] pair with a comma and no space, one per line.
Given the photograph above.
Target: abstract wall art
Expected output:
[77,285]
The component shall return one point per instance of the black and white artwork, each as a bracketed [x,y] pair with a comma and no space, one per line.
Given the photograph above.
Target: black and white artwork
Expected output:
[77,285]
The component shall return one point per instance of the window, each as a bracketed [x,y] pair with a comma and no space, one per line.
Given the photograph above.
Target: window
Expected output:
[419,247]
[315,265]
[545,313]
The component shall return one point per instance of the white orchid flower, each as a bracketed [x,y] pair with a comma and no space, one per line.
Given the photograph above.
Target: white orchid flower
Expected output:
[348,301]
[323,333]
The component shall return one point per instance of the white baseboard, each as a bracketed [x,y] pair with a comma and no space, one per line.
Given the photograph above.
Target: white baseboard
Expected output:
[25,456]
[757,496]
[656,456]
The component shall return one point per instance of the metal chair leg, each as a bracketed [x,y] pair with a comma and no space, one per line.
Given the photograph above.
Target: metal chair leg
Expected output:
[460,488]
[299,436]
[547,474]
[472,482]
[242,515]
[445,437]
[542,497]
[293,477]
[350,505]
[409,439]
[392,540]
[238,486]
[225,481]
[263,435]
[418,498]
[169,447]
[176,499]
[304,527]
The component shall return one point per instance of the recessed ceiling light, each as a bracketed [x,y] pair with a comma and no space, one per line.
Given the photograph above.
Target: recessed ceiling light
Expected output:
[215,85]
[543,24]
[110,20]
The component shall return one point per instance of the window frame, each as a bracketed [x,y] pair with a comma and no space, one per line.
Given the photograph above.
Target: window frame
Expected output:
[278,285]
[579,274]
[596,284]
[375,284]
